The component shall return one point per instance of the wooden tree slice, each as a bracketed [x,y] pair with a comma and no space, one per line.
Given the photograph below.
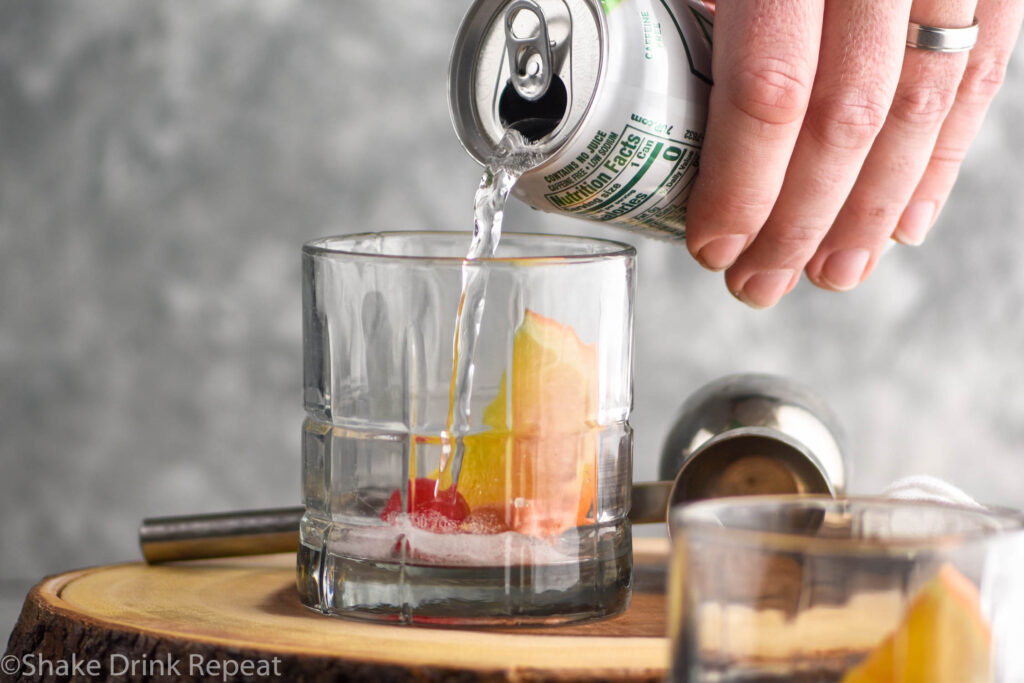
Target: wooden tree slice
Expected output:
[213,616]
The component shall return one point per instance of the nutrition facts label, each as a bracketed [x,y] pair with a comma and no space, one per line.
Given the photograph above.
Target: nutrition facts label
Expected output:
[634,177]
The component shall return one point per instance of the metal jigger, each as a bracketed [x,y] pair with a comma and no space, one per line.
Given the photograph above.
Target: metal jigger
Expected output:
[744,435]
[739,435]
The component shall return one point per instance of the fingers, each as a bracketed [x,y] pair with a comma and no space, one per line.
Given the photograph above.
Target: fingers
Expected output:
[763,64]
[925,93]
[861,52]
[999,25]
[795,177]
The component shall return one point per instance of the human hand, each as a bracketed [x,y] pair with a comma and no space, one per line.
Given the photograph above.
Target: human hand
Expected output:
[827,135]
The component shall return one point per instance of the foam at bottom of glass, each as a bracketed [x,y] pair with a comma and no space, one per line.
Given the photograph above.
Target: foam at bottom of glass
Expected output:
[586,574]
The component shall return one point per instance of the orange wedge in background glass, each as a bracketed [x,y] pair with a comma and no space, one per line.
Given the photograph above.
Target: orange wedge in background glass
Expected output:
[535,470]
[943,638]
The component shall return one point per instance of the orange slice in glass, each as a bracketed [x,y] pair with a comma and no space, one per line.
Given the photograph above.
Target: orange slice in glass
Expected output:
[943,638]
[535,470]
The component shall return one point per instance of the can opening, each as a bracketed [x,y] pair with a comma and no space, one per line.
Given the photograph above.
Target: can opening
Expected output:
[537,118]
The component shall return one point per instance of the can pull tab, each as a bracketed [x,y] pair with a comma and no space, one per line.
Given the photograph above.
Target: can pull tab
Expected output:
[529,49]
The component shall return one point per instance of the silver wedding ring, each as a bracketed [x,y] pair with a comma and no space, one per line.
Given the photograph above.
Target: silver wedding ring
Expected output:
[942,39]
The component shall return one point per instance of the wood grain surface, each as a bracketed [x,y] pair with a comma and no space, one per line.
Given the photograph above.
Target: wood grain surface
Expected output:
[247,609]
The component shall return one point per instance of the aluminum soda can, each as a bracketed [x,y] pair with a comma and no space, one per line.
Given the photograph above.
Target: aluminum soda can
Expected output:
[613,92]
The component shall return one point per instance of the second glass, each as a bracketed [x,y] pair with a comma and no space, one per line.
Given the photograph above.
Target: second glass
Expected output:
[529,525]
[855,590]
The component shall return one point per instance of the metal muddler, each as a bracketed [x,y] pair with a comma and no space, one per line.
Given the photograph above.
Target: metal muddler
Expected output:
[739,435]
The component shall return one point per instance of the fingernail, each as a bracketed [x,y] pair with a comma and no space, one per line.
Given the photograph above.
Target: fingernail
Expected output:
[763,290]
[844,269]
[721,252]
[915,222]
[792,283]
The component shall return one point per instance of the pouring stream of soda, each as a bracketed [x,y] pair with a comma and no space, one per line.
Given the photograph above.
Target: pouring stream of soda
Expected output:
[513,156]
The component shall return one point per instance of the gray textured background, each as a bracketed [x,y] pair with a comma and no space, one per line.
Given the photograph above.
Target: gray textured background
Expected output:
[161,163]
